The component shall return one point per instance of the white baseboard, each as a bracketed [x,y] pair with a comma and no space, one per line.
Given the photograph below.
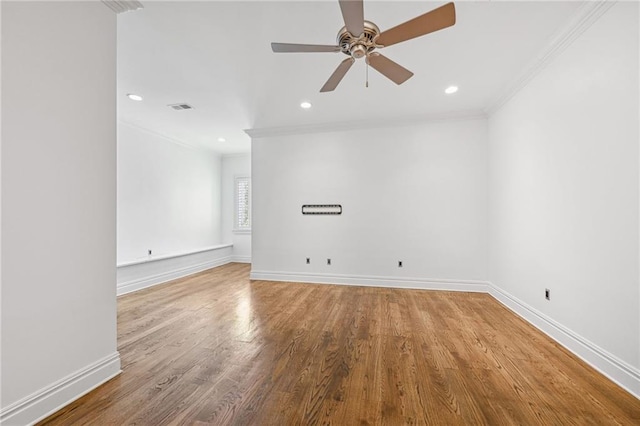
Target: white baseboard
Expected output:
[241,259]
[374,281]
[623,374]
[50,399]
[155,279]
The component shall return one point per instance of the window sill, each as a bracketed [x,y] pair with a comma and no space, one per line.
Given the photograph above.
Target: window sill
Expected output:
[242,231]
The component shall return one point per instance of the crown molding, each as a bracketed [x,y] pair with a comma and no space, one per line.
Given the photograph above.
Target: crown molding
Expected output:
[365,124]
[237,155]
[586,15]
[121,6]
[168,138]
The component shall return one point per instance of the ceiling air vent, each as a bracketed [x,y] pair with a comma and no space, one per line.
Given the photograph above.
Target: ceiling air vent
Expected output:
[120,6]
[180,107]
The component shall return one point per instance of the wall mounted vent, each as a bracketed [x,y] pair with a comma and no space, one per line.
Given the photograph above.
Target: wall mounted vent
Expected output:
[180,107]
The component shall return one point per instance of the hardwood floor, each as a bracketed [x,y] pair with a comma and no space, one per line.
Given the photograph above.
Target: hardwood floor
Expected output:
[216,348]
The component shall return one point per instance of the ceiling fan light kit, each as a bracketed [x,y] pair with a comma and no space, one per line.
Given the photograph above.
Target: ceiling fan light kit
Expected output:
[360,38]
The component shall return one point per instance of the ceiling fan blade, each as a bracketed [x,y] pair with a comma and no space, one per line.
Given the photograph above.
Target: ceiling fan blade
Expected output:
[353,14]
[437,19]
[298,48]
[385,66]
[337,75]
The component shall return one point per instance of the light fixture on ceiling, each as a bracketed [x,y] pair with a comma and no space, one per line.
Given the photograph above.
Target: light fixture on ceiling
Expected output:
[451,90]
[305,105]
[134,97]
[222,140]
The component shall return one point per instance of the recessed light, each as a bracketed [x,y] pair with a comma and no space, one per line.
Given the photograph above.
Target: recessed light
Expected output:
[305,105]
[222,140]
[134,97]
[450,90]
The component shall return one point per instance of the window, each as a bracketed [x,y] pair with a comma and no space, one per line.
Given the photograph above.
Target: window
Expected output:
[243,204]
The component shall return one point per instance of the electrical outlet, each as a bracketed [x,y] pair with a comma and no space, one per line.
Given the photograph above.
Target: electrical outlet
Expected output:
[547,294]
[399,263]
[149,252]
[328,261]
[308,260]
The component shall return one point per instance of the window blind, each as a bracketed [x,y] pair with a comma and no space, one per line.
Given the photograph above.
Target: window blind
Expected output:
[243,203]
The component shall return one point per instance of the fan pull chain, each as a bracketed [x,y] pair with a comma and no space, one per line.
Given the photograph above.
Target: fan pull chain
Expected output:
[367,74]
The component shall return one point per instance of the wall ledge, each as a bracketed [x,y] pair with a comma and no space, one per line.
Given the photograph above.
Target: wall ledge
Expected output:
[50,399]
[171,255]
[130,286]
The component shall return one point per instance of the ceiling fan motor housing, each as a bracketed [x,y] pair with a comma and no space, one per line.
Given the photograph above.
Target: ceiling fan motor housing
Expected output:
[358,46]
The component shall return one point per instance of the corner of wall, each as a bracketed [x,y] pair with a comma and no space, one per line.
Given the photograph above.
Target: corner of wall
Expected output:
[612,366]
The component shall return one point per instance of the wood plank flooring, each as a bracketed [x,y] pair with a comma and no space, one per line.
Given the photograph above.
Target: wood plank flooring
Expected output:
[216,348]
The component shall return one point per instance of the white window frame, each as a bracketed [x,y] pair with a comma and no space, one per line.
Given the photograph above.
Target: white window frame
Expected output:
[236,217]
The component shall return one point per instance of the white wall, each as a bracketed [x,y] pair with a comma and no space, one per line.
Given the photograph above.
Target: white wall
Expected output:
[415,193]
[169,198]
[232,166]
[564,189]
[58,204]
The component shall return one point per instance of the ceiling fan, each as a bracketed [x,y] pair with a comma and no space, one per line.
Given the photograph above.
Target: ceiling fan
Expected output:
[360,38]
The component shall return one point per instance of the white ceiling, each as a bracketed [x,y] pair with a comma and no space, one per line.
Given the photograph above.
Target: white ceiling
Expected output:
[216,56]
